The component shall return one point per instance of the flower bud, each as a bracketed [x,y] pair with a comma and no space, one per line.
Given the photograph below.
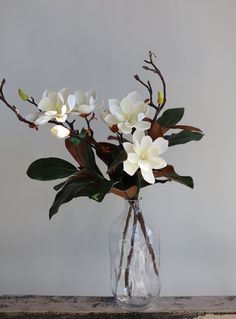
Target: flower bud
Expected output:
[60,131]
[160,98]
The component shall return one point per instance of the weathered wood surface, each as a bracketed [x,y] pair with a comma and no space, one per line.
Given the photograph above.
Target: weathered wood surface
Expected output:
[50,307]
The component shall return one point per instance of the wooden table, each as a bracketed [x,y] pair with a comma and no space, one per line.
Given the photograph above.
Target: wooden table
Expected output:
[65,307]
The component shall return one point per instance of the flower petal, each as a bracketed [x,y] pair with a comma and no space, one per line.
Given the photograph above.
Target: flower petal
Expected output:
[63,95]
[146,142]
[137,136]
[134,97]
[71,101]
[91,93]
[63,109]
[157,162]
[45,104]
[43,119]
[133,158]
[141,107]
[128,147]
[85,109]
[116,110]
[32,117]
[62,118]
[126,106]
[50,113]
[162,144]
[144,165]
[124,128]
[130,168]
[148,176]
[142,126]
[110,119]
[80,97]
[113,102]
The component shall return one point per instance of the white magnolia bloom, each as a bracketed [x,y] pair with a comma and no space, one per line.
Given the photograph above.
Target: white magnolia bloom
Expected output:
[128,114]
[144,154]
[60,131]
[83,102]
[53,105]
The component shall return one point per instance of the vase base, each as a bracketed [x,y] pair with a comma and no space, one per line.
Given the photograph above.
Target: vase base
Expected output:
[134,302]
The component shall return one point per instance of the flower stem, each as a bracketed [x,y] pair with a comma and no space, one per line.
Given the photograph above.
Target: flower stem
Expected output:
[123,242]
[148,243]
[129,258]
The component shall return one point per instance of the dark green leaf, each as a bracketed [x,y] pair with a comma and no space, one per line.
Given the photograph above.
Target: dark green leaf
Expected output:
[171,117]
[83,154]
[185,180]
[77,139]
[84,183]
[183,137]
[169,172]
[46,169]
[59,186]
[96,190]
[120,158]
[66,194]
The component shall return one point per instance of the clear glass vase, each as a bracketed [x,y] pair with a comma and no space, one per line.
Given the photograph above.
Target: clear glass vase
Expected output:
[135,257]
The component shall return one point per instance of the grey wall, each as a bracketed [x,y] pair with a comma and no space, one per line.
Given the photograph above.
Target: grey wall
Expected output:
[101,44]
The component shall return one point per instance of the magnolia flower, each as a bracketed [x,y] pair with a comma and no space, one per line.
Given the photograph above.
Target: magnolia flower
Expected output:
[60,131]
[53,105]
[127,114]
[144,154]
[83,103]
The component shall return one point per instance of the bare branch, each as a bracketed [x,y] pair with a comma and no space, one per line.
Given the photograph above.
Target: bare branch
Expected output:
[158,72]
[13,107]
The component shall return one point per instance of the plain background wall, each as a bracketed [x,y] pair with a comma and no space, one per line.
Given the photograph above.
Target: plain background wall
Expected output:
[50,44]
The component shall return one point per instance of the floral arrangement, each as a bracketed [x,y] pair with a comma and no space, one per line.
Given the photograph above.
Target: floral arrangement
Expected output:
[139,131]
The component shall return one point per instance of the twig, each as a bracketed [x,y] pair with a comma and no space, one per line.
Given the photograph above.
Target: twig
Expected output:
[149,88]
[123,242]
[32,101]
[13,107]
[149,245]
[158,72]
[129,258]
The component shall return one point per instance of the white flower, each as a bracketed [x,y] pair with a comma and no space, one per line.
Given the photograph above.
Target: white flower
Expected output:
[60,131]
[53,105]
[83,103]
[144,154]
[128,114]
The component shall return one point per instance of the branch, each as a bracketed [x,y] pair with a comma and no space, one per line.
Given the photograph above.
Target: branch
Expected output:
[14,108]
[158,72]
[149,88]
[32,101]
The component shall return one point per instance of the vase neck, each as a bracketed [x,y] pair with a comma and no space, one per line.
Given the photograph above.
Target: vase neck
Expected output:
[134,205]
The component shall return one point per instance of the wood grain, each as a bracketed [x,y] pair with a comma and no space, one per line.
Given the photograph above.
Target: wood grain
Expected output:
[70,307]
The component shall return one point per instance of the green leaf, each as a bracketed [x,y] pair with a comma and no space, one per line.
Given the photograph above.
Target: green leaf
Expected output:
[83,183]
[171,117]
[65,195]
[183,137]
[170,174]
[83,154]
[120,158]
[22,95]
[98,190]
[76,140]
[185,180]
[47,169]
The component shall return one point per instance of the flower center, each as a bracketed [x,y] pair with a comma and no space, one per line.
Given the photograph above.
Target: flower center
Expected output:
[143,156]
[128,117]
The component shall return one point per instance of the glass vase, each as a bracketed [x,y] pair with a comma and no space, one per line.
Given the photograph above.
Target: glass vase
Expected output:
[134,256]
